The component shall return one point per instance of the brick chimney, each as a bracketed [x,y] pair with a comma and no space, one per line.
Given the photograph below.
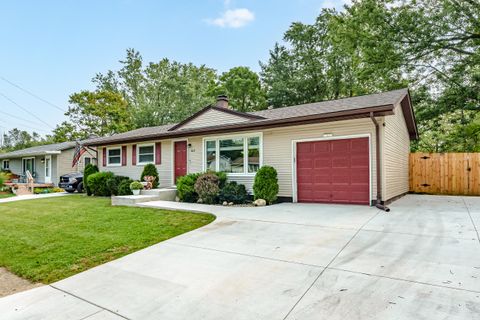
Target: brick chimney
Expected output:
[222,102]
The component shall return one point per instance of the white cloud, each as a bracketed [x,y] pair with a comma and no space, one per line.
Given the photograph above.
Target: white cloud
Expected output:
[233,18]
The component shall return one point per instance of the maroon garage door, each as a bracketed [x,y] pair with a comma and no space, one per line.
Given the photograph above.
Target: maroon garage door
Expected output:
[333,171]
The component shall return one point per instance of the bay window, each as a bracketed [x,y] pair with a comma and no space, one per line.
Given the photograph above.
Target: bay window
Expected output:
[235,155]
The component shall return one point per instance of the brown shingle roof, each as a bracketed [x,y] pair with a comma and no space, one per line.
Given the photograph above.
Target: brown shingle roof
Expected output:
[333,109]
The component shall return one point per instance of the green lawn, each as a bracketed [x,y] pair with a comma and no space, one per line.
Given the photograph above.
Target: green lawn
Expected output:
[50,239]
[6,195]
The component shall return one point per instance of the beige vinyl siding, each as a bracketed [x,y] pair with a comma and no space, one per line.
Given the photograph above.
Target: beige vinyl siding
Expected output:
[277,149]
[165,170]
[15,165]
[213,118]
[396,150]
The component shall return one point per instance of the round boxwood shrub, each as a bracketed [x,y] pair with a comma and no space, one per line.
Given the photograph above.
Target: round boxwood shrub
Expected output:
[124,188]
[97,183]
[186,187]
[265,185]
[150,170]
[233,192]
[207,187]
[89,169]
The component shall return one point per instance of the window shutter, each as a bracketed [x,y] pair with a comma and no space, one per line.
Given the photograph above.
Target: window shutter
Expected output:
[134,154]
[104,157]
[124,155]
[158,153]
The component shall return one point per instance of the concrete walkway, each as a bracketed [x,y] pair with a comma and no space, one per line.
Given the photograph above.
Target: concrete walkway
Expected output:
[33,197]
[288,261]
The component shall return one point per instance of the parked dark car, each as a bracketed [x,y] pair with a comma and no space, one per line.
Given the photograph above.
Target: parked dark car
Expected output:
[71,182]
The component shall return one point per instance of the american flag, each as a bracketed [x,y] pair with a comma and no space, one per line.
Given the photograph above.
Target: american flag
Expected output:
[79,150]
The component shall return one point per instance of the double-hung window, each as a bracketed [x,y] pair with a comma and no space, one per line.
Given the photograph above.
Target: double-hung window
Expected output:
[114,156]
[146,154]
[6,165]
[234,155]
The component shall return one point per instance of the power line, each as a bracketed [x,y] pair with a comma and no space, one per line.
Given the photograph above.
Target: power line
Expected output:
[19,118]
[26,126]
[24,109]
[32,94]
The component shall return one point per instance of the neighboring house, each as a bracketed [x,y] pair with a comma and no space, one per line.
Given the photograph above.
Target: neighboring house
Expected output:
[323,152]
[47,162]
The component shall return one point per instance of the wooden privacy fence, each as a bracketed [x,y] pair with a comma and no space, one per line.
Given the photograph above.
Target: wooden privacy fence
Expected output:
[445,173]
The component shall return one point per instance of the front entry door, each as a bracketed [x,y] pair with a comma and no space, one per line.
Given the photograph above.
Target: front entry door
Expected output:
[180,161]
[48,169]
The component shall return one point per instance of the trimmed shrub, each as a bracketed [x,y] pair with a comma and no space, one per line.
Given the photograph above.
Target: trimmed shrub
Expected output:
[233,192]
[222,177]
[89,169]
[150,170]
[136,185]
[114,182]
[186,187]
[207,187]
[97,183]
[265,185]
[124,188]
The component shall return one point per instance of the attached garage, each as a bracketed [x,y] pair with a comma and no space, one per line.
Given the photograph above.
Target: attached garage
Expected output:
[333,170]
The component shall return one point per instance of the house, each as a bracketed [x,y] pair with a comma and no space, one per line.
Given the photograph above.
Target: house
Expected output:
[47,162]
[323,152]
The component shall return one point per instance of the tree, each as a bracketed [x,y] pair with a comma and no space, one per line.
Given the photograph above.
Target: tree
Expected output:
[66,131]
[243,88]
[159,93]
[17,139]
[97,113]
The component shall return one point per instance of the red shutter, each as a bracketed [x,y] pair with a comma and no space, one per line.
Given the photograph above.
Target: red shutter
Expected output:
[104,157]
[158,153]
[134,154]
[124,155]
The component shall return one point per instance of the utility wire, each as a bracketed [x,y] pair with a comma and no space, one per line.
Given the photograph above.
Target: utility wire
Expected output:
[32,94]
[26,110]
[19,118]
[26,126]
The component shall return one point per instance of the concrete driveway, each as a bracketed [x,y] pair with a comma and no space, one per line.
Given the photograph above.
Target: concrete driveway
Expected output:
[289,261]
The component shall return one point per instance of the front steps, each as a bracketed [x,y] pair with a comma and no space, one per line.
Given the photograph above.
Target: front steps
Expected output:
[166,194]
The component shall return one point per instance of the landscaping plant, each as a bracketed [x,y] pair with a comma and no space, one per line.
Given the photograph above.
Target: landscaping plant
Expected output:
[233,192]
[207,187]
[89,169]
[150,170]
[186,187]
[124,187]
[114,183]
[136,186]
[265,185]
[97,183]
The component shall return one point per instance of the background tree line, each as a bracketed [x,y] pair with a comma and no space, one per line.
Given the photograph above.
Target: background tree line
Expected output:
[432,47]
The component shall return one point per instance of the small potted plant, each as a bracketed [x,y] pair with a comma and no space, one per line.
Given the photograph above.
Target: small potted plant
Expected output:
[136,186]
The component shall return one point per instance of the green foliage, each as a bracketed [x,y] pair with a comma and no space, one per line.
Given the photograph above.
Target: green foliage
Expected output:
[207,187]
[243,88]
[57,189]
[233,192]
[265,185]
[150,170]
[97,183]
[3,178]
[124,187]
[113,184]
[16,139]
[75,233]
[222,177]
[89,169]
[136,185]
[186,187]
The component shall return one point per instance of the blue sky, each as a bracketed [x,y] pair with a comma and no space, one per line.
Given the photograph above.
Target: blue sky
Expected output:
[54,48]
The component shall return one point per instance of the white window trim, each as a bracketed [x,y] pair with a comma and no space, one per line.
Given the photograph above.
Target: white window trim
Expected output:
[108,157]
[138,153]
[34,164]
[3,164]
[245,155]
[354,136]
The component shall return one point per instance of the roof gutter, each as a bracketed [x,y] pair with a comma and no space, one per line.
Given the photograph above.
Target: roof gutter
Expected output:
[378,203]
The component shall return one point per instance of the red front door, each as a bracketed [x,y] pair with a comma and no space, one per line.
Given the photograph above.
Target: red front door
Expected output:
[334,171]
[180,161]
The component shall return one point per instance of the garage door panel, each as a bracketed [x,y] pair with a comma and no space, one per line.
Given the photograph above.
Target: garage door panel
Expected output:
[334,171]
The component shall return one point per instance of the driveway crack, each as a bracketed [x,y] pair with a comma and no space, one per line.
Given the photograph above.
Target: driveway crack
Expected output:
[471,219]
[328,265]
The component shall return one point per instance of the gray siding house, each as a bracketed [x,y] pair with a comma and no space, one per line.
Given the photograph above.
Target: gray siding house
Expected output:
[47,163]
